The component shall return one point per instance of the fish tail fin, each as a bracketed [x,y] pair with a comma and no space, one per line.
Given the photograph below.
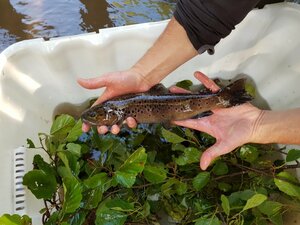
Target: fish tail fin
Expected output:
[236,93]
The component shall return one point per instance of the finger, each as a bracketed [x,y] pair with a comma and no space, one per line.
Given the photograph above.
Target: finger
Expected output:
[102,129]
[115,129]
[207,82]
[201,124]
[93,83]
[131,122]
[212,153]
[175,89]
[103,97]
[85,127]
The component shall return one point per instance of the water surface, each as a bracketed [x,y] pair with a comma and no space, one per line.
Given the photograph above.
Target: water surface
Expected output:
[26,19]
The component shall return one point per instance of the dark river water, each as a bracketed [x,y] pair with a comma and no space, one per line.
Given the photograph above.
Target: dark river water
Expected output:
[26,19]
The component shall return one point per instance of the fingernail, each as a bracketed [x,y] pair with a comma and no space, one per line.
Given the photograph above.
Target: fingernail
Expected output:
[85,128]
[102,129]
[115,129]
[204,165]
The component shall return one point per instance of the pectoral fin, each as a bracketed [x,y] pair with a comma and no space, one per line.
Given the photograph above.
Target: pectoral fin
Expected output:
[203,114]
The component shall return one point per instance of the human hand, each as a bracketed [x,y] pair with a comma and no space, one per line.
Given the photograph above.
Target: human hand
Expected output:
[115,83]
[232,127]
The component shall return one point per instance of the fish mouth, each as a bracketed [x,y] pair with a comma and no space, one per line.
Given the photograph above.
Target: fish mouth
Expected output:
[84,120]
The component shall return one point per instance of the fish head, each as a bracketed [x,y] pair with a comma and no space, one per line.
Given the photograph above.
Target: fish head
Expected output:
[100,115]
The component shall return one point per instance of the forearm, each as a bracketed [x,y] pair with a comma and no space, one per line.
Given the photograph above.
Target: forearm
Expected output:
[171,49]
[195,28]
[281,127]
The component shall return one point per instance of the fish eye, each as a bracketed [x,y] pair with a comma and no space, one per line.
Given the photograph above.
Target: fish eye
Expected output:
[93,114]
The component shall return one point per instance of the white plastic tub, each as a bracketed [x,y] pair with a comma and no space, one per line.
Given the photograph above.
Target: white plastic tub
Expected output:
[38,75]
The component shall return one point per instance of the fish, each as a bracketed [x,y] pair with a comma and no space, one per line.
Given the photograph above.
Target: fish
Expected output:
[158,105]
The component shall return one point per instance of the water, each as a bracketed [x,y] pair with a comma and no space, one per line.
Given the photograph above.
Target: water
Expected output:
[26,19]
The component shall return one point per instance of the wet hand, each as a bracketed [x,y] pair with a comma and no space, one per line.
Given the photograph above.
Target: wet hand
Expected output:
[115,84]
[232,127]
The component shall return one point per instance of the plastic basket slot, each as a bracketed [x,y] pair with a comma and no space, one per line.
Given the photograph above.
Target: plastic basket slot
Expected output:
[19,172]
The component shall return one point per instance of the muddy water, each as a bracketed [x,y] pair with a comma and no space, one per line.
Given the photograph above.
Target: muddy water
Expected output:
[26,19]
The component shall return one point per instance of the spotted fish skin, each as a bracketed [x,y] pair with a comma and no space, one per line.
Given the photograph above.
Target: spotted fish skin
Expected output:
[159,106]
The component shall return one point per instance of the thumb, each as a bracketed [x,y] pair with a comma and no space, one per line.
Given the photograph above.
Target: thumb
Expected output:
[212,153]
[201,124]
[92,83]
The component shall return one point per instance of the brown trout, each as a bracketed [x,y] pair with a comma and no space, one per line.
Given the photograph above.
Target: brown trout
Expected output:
[158,105]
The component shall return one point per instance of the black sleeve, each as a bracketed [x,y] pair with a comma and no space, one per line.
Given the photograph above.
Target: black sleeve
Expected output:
[207,21]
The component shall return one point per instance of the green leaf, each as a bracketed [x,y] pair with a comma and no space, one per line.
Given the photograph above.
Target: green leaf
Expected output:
[50,145]
[220,168]
[125,179]
[104,143]
[120,205]
[225,204]
[151,156]
[248,153]
[276,219]
[127,173]
[15,219]
[176,211]
[75,149]
[145,212]
[254,201]
[171,137]
[237,199]
[246,194]
[181,188]
[201,180]
[70,161]
[72,195]
[135,162]
[290,188]
[78,218]
[75,132]
[98,180]
[62,125]
[273,210]
[208,221]
[190,134]
[270,208]
[39,162]
[225,187]
[41,184]
[178,147]
[190,155]
[30,143]
[91,198]
[155,173]
[53,219]
[106,215]
[292,155]
[110,217]
[250,89]
[173,186]
[207,139]
[185,84]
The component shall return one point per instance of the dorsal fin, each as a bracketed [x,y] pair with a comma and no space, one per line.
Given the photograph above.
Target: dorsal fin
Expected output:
[158,89]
